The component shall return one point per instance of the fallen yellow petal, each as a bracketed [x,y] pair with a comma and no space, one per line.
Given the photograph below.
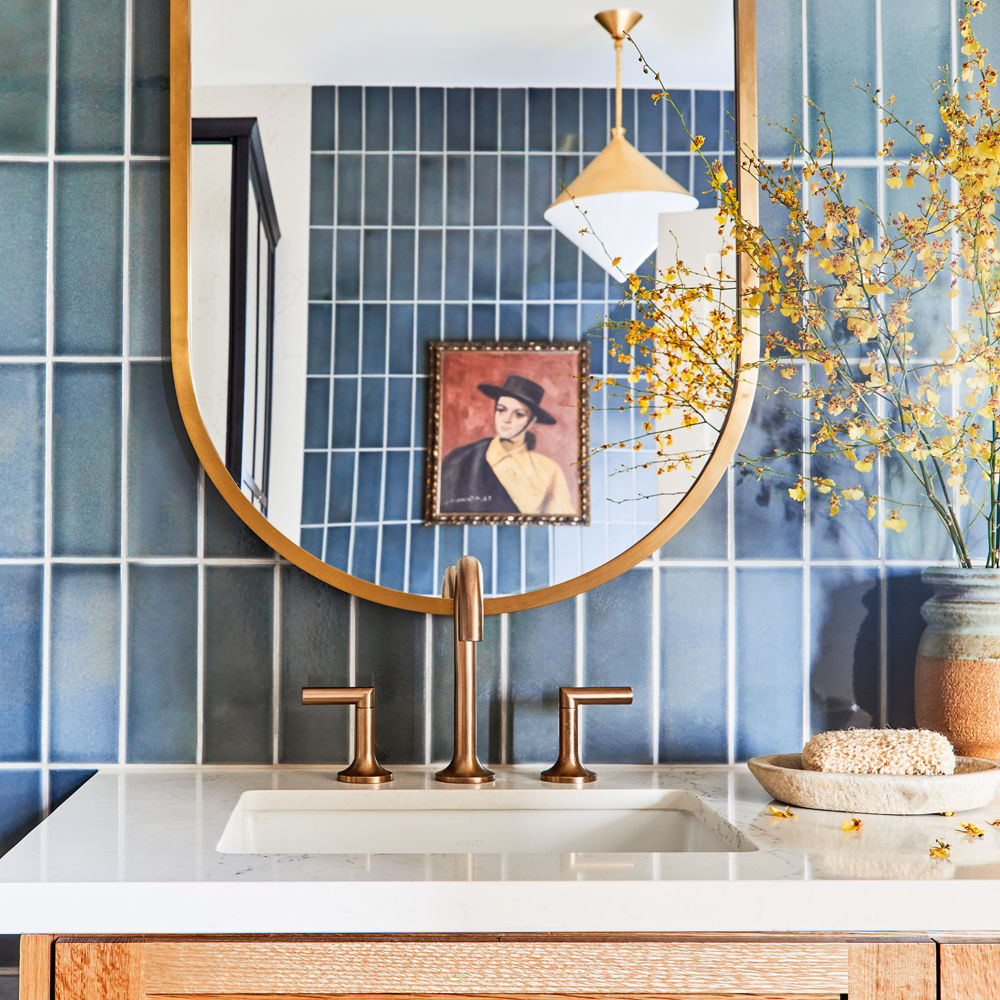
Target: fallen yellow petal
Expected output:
[852,825]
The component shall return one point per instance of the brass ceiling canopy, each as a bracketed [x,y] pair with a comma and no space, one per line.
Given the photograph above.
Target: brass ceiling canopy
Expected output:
[611,211]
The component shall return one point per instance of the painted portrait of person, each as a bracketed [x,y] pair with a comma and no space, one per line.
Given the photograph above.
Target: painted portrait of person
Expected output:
[508,433]
[505,473]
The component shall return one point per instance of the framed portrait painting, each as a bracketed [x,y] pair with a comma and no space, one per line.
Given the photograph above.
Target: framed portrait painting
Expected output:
[508,438]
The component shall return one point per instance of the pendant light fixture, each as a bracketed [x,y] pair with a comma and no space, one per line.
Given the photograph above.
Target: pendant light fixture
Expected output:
[611,210]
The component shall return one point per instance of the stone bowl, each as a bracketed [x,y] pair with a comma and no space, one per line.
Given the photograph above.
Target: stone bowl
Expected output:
[975,783]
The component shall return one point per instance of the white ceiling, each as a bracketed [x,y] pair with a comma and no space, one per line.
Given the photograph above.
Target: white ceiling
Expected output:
[499,43]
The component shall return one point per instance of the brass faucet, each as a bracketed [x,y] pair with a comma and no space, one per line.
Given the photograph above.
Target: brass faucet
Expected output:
[463,583]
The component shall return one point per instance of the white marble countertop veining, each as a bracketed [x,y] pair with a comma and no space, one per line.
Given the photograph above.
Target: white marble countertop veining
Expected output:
[135,851]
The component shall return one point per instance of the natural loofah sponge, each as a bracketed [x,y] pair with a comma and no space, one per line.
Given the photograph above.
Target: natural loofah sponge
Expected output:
[879,751]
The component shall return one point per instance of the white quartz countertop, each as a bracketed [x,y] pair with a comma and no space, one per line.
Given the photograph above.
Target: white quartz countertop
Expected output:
[135,851]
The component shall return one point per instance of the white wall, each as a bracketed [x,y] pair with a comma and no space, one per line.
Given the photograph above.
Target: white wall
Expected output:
[283,115]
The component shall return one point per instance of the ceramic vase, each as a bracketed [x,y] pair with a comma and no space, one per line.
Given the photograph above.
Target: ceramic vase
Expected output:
[957,683]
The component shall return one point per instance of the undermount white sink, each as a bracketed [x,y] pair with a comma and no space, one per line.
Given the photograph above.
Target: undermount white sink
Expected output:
[474,821]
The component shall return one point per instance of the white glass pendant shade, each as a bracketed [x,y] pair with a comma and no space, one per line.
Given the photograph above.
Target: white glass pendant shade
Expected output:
[612,209]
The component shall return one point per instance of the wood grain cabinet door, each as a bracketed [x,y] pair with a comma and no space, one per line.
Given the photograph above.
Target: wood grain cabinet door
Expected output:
[970,970]
[653,967]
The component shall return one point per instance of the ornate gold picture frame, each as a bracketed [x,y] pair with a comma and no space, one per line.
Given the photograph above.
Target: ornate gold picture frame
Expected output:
[508,433]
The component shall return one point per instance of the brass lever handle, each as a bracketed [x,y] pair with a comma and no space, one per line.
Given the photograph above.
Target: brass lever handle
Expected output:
[568,767]
[364,769]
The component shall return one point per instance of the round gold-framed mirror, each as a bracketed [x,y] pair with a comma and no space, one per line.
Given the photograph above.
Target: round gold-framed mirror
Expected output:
[523,387]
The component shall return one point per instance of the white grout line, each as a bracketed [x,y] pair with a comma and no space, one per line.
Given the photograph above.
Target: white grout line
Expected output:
[45,706]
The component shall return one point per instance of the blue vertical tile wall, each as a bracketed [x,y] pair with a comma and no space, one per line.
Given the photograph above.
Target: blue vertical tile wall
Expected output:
[163,631]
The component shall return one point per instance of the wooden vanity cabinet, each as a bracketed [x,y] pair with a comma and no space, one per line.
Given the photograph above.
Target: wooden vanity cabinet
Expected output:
[512,967]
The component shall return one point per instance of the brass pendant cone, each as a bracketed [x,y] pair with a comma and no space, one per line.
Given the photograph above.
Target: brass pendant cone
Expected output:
[618,22]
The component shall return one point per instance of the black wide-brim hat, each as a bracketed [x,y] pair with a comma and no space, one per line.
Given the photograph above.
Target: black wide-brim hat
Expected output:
[528,392]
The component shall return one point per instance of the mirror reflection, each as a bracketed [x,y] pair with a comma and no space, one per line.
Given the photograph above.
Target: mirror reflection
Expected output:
[411,163]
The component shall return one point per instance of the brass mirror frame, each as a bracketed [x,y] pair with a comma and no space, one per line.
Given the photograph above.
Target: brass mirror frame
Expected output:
[744,13]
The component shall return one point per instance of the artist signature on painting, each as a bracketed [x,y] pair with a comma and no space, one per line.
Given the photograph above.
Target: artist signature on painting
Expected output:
[473,499]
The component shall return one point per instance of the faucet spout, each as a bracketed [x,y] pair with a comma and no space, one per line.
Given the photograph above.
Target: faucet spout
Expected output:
[463,583]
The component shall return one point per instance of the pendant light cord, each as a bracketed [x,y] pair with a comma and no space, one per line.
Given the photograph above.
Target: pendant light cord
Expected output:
[618,130]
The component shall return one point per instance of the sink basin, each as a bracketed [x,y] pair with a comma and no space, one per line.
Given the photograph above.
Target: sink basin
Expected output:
[474,821]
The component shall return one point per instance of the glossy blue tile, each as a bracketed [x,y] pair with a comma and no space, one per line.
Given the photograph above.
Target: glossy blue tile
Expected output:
[376,117]
[768,521]
[389,656]
[628,111]
[21,665]
[86,460]
[364,551]
[485,118]
[84,706]
[349,120]
[62,784]
[392,564]
[512,118]
[565,267]
[347,278]
[376,259]
[849,534]
[542,188]
[536,322]
[314,488]
[404,117]
[621,734]
[401,339]
[693,687]
[320,340]
[430,192]
[511,265]
[321,264]
[650,123]
[311,539]
[88,258]
[369,487]
[315,623]
[538,267]
[24,77]
[679,120]
[317,412]
[239,644]
[565,325]
[22,460]
[324,117]
[451,548]
[457,257]
[542,645]
[397,480]
[422,556]
[512,173]
[399,406]
[23,196]
[489,693]
[708,119]
[567,119]
[704,536]
[322,183]
[540,119]
[458,182]
[594,111]
[429,264]
[728,121]
[768,661]
[484,264]
[906,593]
[226,536]
[844,643]
[20,805]
[456,319]
[537,545]
[346,339]
[458,115]
[404,190]
[484,210]
[162,664]
[350,173]
[338,548]
[841,51]
[401,264]
[484,322]
[925,537]
[162,467]
[373,338]
[150,79]
[90,87]
[339,502]
[428,328]
[431,115]
[376,190]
